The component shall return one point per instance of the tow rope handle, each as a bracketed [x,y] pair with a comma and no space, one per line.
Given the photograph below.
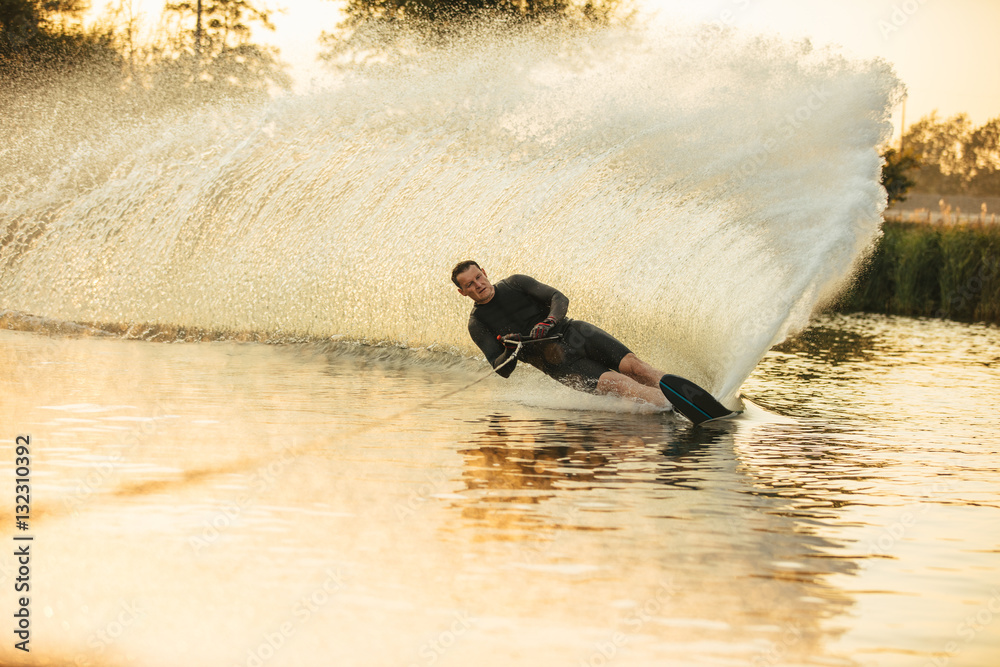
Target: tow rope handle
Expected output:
[522,343]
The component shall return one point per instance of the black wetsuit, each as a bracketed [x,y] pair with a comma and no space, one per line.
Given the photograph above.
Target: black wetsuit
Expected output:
[578,359]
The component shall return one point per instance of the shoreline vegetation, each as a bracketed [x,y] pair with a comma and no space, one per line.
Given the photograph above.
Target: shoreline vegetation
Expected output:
[930,270]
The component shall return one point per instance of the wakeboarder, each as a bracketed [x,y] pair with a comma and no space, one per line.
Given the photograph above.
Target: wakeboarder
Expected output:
[584,357]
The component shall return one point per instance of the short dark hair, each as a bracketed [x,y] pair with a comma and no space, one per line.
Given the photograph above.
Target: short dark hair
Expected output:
[462,267]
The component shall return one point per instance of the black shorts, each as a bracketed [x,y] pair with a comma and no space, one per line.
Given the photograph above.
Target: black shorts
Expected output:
[581,357]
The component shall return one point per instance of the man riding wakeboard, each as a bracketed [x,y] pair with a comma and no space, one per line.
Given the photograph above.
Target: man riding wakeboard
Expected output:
[584,357]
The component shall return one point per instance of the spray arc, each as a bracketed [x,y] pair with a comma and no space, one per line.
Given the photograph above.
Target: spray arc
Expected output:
[697,208]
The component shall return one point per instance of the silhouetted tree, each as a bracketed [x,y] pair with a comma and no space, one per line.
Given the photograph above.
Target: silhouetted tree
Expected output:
[40,33]
[599,11]
[955,157]
[222,60]
[20,22]
[939,147]
[896,174]
[374,28]
[61,86]
[982,159]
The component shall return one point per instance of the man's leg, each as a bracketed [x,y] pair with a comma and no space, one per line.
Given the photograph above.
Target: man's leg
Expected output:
[640,371]
[617,384]
[634,379]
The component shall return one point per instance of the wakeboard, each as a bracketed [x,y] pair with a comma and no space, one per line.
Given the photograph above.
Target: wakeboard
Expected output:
[692,401]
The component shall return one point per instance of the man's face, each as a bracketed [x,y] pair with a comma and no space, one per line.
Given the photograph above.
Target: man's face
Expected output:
[474,284]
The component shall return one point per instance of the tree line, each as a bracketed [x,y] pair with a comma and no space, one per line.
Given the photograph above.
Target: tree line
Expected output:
[196,55]
[953,156]
[205,51]
[205,48]
[944,157]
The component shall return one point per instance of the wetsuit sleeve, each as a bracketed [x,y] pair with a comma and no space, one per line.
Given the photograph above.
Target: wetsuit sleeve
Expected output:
[557,301]
[495,353]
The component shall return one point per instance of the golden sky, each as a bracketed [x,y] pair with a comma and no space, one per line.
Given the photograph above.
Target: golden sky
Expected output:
[944,50]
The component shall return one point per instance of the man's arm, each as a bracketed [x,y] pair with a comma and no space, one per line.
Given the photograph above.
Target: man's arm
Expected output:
[558,303]
[495,352]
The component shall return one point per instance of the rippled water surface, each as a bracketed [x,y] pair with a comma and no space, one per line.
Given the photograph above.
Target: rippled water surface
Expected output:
[245,504]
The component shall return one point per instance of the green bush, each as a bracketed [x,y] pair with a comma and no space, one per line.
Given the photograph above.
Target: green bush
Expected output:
[916,255]
[921,269]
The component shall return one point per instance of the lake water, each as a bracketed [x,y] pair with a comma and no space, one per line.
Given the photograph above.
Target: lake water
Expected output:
[307,499]
[224,503]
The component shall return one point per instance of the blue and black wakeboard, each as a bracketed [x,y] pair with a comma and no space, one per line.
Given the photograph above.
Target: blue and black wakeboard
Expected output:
[692,401]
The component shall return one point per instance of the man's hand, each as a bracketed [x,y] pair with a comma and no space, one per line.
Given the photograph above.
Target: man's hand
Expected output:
[511,340]
[541,330]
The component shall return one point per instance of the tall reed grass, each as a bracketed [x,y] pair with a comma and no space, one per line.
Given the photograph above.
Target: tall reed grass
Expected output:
[929,270]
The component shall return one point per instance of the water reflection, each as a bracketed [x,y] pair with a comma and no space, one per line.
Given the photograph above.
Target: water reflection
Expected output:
[510,454]
[834,345]
[738,527]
